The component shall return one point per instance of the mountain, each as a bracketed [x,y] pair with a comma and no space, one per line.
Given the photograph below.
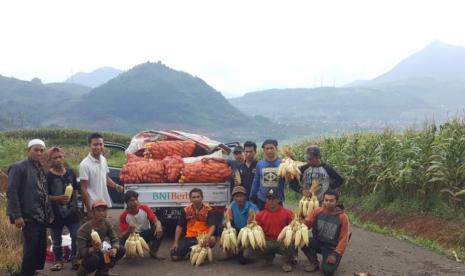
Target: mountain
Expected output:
[438,61]
[94,78]
[29,103]
[428,84]
[149,96]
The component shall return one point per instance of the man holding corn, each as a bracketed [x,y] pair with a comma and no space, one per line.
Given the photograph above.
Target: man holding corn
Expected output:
[62,187]
[196,219]
[238,214]
[317,177]
[139,218]
[266,175]
[273,219]
[91,250]
[330,228]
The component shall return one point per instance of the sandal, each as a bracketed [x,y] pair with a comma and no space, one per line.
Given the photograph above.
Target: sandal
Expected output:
[57,267]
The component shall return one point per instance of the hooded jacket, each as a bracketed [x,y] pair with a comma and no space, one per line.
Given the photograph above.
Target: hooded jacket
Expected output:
[331,228]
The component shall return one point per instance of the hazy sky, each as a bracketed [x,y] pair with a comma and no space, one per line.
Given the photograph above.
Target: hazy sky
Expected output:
[235,46]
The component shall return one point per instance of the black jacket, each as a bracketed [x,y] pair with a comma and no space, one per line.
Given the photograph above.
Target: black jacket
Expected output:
[24,198]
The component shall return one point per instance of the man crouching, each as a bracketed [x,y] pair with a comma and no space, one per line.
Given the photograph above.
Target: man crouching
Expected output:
[195,219]
[93,256]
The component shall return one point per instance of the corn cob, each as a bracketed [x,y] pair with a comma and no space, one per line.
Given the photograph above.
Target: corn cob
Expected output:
[69,191]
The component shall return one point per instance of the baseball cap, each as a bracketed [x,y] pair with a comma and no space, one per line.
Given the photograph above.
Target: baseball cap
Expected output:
[99,202]
[238,149]
[239,189]
[271,193]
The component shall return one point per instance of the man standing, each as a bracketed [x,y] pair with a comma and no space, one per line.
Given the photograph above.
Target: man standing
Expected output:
[247,169]
[266,176]
[321,175]
[139,218]
[196,219]
[93,174]
[64,207]
[238,153]
[28,206]
[273,219]
[92,253]
[330,227]
[238,212]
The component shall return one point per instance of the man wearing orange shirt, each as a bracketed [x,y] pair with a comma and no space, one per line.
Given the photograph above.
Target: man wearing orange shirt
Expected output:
[330,227]
[196,219]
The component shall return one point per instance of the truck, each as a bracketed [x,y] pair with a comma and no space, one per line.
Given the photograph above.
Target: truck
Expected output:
[168,199]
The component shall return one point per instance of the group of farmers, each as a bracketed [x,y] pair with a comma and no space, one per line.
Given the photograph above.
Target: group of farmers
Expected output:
[37,201]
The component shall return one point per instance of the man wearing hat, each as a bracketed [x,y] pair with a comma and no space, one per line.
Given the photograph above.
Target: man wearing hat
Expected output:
[317,177]
[273,219]
[28,206]
[92,253]
[238,153]
[65,209]
[238,213]
[266,175]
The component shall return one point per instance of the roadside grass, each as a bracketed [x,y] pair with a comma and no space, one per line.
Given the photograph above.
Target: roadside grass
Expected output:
[401,235]
[10,243]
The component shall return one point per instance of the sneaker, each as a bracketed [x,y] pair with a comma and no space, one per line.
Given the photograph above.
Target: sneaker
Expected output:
[286,267]
[311,267]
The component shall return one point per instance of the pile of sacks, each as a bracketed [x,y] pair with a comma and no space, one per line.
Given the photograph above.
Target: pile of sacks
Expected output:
[172,162]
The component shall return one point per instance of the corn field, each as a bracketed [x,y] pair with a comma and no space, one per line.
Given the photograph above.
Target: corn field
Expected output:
[427,166]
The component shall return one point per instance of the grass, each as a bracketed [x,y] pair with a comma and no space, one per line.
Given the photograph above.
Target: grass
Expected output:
[10,243]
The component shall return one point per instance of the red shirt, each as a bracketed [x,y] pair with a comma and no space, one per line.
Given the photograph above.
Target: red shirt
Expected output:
[123,221]
[273,222]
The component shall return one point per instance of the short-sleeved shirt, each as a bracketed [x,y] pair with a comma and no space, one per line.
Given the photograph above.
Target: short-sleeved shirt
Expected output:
[95,171]
[64,213]
[142,220]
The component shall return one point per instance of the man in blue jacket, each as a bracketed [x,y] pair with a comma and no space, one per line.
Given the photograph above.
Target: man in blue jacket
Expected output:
[266,175]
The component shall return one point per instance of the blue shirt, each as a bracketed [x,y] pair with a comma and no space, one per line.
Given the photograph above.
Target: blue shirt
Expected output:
[266,177]
[241,216]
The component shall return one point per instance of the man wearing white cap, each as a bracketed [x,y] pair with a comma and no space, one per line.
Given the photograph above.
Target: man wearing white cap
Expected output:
[28,206]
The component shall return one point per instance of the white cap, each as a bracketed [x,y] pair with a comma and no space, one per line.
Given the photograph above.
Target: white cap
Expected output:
[34,142]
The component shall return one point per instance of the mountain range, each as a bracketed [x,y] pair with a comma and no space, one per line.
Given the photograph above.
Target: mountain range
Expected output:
[429,84]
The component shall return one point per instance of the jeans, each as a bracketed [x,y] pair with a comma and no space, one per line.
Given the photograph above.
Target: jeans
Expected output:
[57,240]
[317,246]
[34,247]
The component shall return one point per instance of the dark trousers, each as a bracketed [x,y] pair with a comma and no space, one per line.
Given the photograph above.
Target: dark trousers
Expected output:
[34,247]
[184,247]
[57,240]
[316,246]
[96,261]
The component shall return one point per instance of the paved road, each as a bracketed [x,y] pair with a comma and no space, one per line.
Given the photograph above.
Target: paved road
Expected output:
[367,252]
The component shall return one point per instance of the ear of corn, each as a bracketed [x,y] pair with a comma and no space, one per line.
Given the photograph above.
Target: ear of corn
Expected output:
[199,253]
[252,235]
[295,234]
[69,191]
[135,246]
[95,237]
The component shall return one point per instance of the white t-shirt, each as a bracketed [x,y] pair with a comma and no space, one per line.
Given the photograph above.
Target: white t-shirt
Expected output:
[140,220]
[95,171]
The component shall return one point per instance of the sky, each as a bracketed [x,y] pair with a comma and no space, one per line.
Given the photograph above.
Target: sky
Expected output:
[235,46]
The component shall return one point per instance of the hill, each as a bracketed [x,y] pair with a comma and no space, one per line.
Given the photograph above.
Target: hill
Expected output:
[427,85]
[94,78]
